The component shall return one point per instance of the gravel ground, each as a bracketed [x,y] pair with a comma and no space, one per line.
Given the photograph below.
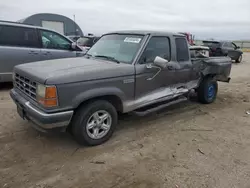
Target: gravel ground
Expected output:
[188,145]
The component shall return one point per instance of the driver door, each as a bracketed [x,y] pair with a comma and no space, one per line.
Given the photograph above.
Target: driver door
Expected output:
[233,53]
[153,83]
[55,46]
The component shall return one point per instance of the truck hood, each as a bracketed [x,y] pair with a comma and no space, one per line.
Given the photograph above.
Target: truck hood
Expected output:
[69,70]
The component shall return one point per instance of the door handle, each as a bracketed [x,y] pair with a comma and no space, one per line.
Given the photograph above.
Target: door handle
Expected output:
[46,53]
[33,52]
[170,67]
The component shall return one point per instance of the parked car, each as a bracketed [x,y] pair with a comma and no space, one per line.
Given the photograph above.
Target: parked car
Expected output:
[74,38]
[21,43]
[128,71]
[224,48]
[87,42]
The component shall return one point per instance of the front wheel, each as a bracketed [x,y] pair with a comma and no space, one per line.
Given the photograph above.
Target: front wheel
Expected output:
[207,91]
[94,123]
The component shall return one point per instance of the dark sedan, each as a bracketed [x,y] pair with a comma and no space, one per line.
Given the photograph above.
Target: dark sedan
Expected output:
[224,48]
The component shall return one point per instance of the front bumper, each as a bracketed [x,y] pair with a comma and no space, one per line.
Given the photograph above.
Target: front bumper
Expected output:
[42,121]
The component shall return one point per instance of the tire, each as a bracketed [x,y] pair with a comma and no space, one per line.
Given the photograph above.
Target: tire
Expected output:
[88,116]
[207,91]
[239,59]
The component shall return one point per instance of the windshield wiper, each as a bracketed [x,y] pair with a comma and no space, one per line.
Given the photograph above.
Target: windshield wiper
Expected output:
[108,57]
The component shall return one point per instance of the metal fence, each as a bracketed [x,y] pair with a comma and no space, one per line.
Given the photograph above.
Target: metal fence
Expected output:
[243,44]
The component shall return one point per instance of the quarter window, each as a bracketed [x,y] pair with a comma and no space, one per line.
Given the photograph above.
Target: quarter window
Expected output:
[182,49]
[230,45]
[18,36]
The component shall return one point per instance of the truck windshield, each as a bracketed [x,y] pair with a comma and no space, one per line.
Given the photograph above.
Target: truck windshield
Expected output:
[121,47]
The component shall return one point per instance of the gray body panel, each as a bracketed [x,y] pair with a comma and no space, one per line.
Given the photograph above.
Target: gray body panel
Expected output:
[135,85]
[12,56]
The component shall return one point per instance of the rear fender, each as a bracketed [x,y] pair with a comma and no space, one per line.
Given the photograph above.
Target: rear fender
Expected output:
[218,68]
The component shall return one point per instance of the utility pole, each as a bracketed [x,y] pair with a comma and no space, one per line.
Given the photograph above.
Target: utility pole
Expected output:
[75,24]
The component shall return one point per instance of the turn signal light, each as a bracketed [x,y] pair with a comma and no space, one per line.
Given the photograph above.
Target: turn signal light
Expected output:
[47,95]
[48,102]
[50,92]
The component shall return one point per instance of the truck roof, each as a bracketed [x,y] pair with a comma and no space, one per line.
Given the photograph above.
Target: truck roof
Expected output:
[146,32]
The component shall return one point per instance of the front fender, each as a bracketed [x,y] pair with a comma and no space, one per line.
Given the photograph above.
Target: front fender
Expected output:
[97,92]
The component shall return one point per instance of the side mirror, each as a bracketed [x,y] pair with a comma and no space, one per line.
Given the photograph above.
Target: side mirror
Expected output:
[160,62]
[73,45]
[237,47]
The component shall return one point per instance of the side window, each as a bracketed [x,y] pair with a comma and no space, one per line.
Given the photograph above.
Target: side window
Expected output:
[53,40]
[157,46]
[182,49]
[230,45]
[18,36]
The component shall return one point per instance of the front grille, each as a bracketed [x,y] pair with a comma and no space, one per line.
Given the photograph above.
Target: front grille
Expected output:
[25,85]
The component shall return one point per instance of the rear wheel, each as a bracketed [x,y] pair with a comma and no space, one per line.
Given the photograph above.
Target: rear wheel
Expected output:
[207,91]
[239,59]
[94,123]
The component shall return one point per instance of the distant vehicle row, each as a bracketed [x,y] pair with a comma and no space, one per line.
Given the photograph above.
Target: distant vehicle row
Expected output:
[84,42]
[87,42]
[21,43]
[224,48]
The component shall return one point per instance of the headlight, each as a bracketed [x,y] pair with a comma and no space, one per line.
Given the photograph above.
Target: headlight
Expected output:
[40,90]
[46,95]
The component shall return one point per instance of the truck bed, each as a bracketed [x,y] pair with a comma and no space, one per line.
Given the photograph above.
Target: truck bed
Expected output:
[219,66]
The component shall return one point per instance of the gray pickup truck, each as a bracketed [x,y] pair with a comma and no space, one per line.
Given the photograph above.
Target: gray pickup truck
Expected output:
[127,71]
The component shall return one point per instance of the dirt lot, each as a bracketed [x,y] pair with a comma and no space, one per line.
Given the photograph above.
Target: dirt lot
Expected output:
[189,145]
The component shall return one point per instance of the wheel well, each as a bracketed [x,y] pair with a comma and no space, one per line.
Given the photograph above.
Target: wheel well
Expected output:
[205,77]
[208,76]
[113,99]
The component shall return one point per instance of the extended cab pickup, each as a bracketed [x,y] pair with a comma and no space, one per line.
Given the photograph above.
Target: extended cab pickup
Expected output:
[128,71]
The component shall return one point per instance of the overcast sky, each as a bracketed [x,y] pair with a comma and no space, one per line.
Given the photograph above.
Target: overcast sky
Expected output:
[225,19]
